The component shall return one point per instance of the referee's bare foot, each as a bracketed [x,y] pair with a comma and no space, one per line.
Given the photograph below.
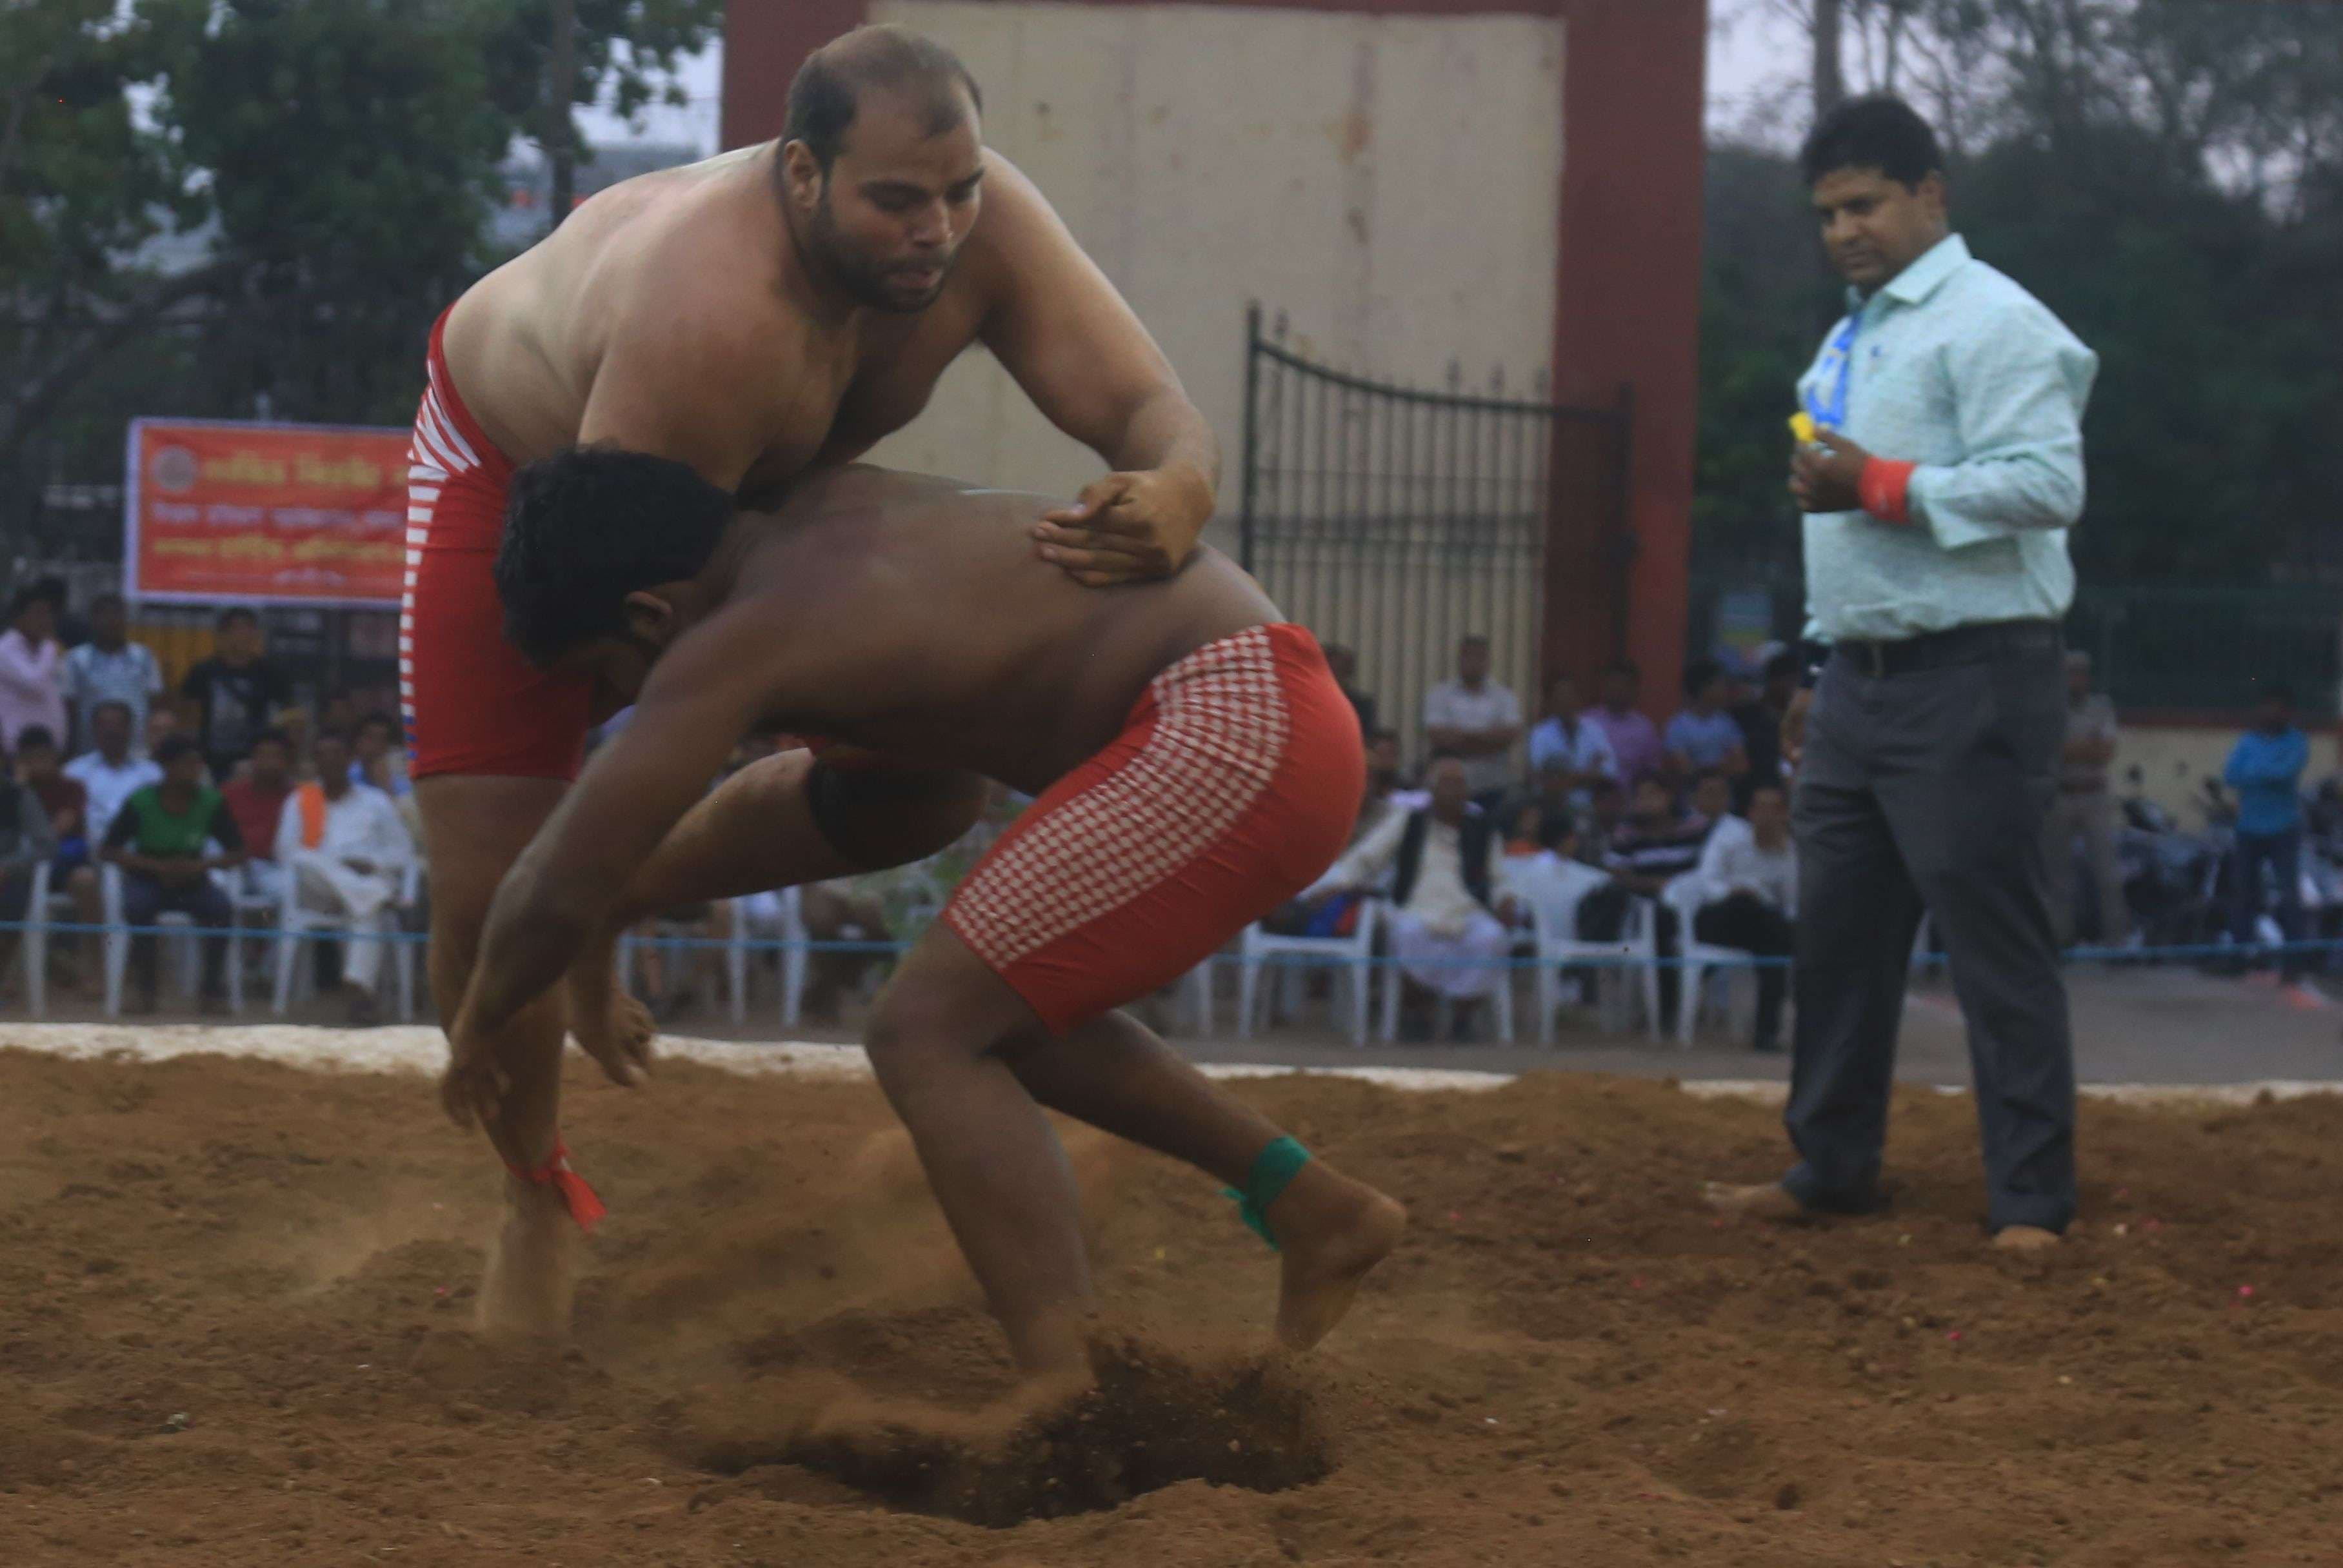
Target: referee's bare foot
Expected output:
[1760,1201]
[1331,1231]
[2024,1238]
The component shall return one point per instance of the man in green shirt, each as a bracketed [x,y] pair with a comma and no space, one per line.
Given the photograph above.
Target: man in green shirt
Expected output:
[169,838]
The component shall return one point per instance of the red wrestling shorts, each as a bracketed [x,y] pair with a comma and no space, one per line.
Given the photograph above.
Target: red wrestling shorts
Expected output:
[473,704]
[1233,784]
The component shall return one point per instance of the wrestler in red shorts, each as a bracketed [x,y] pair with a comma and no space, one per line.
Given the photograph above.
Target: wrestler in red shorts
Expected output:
[1194,764]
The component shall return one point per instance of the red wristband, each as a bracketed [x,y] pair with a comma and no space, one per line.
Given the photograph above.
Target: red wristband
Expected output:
[576,1196]
[1883,487]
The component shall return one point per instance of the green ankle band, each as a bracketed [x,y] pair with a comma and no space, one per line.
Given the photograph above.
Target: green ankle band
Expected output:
[1273,1170]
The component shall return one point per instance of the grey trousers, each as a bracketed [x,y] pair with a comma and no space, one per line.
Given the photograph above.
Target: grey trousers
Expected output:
[1928,789]
[2093,818]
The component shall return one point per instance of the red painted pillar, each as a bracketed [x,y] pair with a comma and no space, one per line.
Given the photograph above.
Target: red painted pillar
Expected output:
[1627,313]
[765,42]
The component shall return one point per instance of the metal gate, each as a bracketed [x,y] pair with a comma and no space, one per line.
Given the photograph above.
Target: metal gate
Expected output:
[1395,521]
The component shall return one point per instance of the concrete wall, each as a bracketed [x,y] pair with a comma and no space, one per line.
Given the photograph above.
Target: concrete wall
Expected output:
[1391,182]
[2175,760]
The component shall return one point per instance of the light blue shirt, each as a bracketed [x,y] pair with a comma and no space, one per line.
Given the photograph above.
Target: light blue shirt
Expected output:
[1704,739]
[1958,368]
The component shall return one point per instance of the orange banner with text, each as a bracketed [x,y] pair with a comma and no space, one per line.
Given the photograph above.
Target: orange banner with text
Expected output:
[222,510]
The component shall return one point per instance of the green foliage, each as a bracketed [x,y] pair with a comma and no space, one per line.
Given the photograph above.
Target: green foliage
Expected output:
[2166,175]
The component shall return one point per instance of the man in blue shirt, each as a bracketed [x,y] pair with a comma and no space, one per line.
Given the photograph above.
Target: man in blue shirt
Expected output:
[1706,736]
[1939,461]
[2264,769]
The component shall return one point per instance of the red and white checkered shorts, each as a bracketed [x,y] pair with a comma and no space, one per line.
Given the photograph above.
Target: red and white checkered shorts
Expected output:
[1233,784]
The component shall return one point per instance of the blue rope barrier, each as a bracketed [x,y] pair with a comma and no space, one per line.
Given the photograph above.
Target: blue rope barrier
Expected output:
[2144,956]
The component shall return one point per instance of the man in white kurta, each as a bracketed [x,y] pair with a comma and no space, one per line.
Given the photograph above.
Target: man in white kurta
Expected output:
[1446,938]
[345,849]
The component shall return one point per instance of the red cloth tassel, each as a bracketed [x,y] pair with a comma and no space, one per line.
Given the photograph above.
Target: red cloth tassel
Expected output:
[575,1195]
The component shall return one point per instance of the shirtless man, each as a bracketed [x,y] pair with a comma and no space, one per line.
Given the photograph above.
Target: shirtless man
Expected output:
[746,315]
[1194,764]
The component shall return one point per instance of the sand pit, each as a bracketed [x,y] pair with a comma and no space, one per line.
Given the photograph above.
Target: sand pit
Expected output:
[233,1300]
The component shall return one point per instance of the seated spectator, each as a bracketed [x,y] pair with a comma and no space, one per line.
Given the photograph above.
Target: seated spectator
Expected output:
[839,912]
[1564,737]
[1657,844]
[160,839]
[1343,665]
[1712,806]
[344,848]
[73,872]
[107,772]
[1749,900]
[2264,768]
[162,723]
[1606,819]
[1477,720]
[110,667]
[1448,898]
[379,761]
[1704,735]
[257,796]
[26,839]
[236,692]
[1634,741]
[1761,724]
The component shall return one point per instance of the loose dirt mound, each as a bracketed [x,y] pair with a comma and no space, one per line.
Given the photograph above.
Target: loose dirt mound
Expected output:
[235,1302]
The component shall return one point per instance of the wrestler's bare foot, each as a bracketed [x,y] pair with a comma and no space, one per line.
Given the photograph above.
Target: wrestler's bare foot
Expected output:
[610,1026]
[1331,1231]
[531,1270]
[2023,1239]
[1757,1201]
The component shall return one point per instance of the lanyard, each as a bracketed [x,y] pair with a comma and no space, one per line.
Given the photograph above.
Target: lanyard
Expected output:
[1837,366]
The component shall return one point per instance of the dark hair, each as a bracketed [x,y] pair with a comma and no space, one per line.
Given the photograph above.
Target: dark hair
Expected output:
[1444,754]
[272,735]
[1604,784]
[108,597]
[587,527]
[235,613]
[1470,637]
[369,721]
[1698,675]
[335,733]
[828,86]
[1706,774]
[172,748]
[34,735]
[117,704]
[1786,662]
[1878,131]
[25,597]
[1553,826]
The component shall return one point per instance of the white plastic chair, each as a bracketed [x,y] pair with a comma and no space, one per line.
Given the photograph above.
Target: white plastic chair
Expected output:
[791,928]
[41,909]
[294,921]
[1503,996]
[1196,991]
[1699,957]
[1629,960]
[179,927]
[1355,952]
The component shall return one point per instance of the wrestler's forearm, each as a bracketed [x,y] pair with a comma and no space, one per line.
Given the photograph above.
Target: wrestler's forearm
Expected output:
[534,934]
[1167,432]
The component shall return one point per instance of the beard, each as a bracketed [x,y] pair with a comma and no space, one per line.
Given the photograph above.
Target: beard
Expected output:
[862,279]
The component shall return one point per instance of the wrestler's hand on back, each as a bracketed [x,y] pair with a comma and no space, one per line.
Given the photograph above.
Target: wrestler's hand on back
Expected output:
[1076,348]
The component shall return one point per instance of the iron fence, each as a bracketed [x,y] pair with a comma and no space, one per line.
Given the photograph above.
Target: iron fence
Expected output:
[1396,521]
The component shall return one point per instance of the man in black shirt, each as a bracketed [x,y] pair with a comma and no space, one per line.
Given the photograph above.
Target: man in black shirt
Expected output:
[236,693]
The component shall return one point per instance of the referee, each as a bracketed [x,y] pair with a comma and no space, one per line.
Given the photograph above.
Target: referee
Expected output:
[1943,470]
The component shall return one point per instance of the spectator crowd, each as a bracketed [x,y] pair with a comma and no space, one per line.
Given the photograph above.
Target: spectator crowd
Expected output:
[216,799]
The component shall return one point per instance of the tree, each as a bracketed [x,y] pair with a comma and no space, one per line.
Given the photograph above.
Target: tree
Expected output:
[328,163]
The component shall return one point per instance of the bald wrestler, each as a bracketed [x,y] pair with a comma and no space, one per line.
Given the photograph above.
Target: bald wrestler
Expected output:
[1194,764]
[747,317]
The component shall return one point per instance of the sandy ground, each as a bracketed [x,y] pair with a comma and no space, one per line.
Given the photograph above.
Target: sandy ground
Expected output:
[235,1301]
